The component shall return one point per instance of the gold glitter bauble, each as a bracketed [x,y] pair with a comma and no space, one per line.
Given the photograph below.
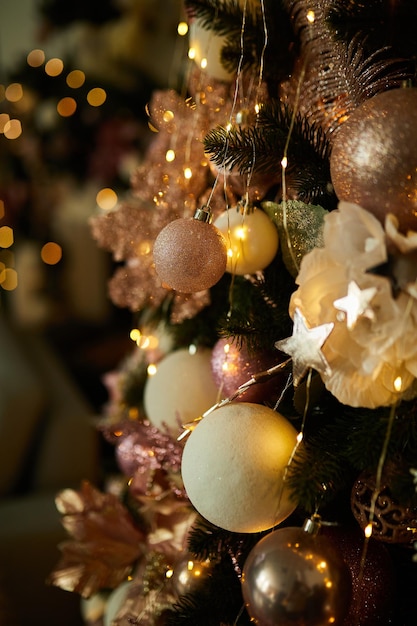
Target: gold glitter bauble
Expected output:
[374,157]
[190,255]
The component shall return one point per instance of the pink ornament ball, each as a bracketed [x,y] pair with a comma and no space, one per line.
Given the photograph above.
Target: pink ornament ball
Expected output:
[234,365]
[190,255]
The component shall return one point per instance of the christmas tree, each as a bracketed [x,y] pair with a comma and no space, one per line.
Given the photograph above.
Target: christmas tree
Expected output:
[265,424]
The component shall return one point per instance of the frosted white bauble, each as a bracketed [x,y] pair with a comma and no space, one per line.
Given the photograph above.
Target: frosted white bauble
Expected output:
[207,45]
[252,240]
[115,602]
[233,467]
[93,608]
[182,389]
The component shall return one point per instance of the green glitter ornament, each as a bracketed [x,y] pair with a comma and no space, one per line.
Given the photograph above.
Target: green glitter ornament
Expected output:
[299,232]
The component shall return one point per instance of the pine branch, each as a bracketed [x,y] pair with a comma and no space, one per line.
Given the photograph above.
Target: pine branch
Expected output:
[339,76]
[261,147]
[226,19]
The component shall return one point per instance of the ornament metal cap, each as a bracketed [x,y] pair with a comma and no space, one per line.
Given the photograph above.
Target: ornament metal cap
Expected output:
[312,524]
[203,214]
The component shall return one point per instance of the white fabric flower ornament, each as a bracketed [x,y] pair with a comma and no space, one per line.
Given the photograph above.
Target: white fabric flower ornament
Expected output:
[372,349]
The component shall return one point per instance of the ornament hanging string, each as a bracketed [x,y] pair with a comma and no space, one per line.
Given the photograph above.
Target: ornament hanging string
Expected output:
[234,102]
[284,160]
[259,377]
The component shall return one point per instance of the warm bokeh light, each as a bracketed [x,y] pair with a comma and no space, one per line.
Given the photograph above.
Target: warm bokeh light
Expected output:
[51,253]
[6,236]
[35,58]
[188,173]
[191,53]
[14,92]
[12,129]
[66,107]
[8,279]
[4,119]
[168,116]
[106,199]
[75,79]
[54,67]
[311,16]
[152,369]
[96,97]
[182,28]
[170,156]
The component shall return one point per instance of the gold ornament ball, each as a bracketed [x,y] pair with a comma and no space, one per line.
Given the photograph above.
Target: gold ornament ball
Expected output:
[188,574]
[190,255]
[252,240]
[374,157]
[233,467]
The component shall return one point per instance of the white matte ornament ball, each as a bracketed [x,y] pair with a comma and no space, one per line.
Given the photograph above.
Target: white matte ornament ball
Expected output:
[190,255]
[252,240]
[182,389]
[233,467]
[115,602]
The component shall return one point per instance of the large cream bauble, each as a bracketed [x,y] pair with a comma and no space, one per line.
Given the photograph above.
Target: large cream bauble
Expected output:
[181,390]
[233,467]
[207,48]
[251,238]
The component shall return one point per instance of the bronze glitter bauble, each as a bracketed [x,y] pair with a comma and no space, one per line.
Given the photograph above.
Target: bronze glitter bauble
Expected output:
[373,587]
[374,157]
[190,255]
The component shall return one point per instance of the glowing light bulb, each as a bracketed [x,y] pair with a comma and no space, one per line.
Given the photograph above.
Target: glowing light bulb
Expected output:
[188,173]
[170,156]
[191,53]
[368,530]
[168,116]
[203,63]
[182,28]
[311,16]
[151,369]
[135,334]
